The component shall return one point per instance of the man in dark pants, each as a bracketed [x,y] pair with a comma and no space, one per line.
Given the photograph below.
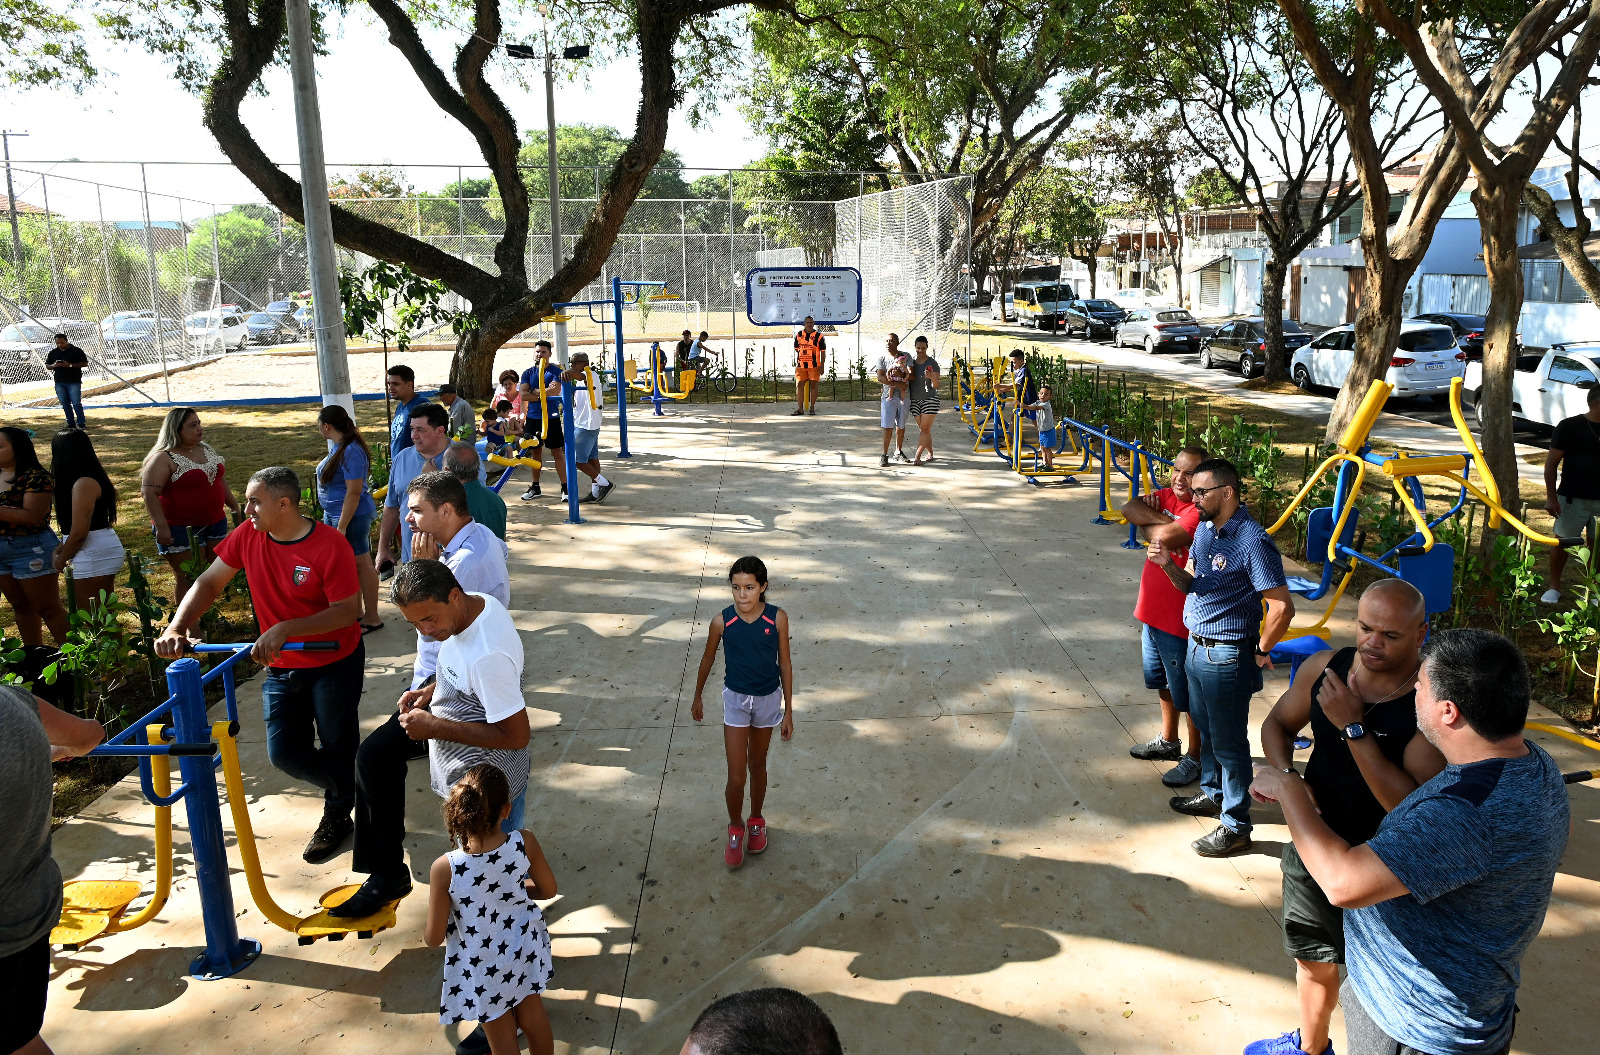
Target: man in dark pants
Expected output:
[1367,756]
[302,576]
[1440,905]
[1236,567]
[471,713]
[66,360]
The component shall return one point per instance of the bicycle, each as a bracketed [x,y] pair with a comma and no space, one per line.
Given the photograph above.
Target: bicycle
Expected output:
[722,379]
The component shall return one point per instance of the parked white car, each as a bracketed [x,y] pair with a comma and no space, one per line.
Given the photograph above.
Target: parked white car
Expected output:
[1547,388]
[1422,365]
[218,330]
[1134,297]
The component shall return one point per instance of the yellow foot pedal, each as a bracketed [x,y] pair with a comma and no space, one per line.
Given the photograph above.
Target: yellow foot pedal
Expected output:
[334,928]
[89,907]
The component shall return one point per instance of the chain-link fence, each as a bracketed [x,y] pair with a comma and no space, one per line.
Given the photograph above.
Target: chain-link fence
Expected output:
[144,271]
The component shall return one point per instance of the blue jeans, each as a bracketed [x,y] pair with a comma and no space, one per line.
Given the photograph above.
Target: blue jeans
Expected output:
[301,701]
[1222,679]
[1163,664]
[518,806]
[71,399]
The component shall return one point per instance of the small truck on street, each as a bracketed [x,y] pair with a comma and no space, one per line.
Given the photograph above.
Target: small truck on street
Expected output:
[1545,388]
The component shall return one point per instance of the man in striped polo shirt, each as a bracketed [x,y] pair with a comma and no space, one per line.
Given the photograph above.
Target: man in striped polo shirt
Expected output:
[1236,567]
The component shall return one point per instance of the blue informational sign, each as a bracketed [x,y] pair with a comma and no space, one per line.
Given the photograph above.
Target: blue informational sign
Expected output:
[784,296]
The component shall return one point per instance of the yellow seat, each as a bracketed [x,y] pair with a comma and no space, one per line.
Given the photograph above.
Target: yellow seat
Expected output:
[322,925]
[89,908]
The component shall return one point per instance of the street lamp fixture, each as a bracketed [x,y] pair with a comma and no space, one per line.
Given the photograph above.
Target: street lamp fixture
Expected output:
[527,51]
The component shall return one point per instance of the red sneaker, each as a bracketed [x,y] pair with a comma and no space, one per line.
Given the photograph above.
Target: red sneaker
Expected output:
[733,854]
[756,838]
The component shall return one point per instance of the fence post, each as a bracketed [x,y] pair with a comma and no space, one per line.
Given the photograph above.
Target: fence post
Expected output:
[155,303]
[226,953]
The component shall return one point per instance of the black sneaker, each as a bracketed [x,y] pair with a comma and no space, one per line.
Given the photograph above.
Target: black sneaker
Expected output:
[883,462]
[605,489]
[797,412]
[812,412]
[375,893]
[1221,842]
[1157,750]
[474,1043]
[531,493]
[902,456]
[1197,805]
[590,497]
[329,837]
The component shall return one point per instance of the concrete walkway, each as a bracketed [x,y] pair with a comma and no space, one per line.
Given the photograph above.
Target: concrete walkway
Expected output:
[963,856]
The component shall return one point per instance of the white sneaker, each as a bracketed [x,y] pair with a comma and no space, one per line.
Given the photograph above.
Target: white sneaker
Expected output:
[1550,597]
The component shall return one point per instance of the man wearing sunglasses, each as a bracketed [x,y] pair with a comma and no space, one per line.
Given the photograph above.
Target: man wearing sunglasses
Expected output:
[1236,567]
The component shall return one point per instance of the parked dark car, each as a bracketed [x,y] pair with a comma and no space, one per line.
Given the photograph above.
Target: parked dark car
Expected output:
[1244,342]
[1091,317]
[284,307]
[1467,328]
[270,327]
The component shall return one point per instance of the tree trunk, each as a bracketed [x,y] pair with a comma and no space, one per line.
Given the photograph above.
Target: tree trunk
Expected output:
[1273,274]
[1377,334]
[1093,273]
[1497,219]
[1569,240]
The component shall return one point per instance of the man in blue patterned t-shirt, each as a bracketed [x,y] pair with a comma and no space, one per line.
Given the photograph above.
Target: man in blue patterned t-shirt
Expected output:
[1443,901]
[1236,568]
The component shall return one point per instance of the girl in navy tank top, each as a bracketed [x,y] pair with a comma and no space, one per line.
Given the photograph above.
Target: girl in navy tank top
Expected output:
[757,696]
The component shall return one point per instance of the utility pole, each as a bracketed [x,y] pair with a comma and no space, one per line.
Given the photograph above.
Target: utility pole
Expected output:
[11,205]
[327,310]
[577,51]
[550,150]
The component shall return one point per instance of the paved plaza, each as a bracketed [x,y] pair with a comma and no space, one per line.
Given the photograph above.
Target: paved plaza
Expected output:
[963,856]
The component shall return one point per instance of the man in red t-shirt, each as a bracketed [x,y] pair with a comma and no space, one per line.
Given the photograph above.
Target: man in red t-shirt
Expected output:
[1170,515]
[302,577]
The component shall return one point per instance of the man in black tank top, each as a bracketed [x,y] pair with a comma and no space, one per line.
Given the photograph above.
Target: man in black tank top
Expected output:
[1366,756]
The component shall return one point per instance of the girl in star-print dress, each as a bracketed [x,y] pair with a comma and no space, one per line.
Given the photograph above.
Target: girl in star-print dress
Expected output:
[481,908]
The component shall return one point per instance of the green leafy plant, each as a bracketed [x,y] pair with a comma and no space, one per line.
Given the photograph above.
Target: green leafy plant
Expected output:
[98,653]
[1513,581]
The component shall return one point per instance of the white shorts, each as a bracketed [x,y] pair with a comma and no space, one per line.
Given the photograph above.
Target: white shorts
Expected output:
[101,554]
[751,712]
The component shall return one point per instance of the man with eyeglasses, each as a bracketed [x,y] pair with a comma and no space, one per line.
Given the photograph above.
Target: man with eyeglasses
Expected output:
[1236,567]
[1170,515]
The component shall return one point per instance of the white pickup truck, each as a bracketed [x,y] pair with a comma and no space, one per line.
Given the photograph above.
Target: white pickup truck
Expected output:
[1547,388]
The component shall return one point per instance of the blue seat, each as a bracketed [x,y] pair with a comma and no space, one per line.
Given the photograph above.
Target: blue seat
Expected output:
[1433,573]
[1295,650]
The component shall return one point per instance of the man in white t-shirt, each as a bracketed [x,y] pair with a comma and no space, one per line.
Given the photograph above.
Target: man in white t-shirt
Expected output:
[586,419]
[894,374]
[472,713]
[442,529]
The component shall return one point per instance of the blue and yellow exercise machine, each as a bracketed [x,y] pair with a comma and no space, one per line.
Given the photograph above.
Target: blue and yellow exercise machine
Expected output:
[180,728]
[654,387]
[1333,535]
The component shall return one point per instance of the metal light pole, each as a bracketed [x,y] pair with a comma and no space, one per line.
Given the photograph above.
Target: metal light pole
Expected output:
[550,150]
[11,204]
[327,312]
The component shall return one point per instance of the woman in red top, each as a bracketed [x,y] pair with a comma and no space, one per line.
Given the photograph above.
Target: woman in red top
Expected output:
[185,492]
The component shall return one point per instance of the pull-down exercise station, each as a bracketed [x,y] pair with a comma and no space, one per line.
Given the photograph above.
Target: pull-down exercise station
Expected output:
[180,728]
[558,323]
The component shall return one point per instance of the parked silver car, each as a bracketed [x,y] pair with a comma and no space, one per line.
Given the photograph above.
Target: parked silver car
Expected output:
[1158,329]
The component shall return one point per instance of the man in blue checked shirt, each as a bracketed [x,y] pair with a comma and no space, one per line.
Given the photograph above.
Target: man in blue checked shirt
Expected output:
[1236,567]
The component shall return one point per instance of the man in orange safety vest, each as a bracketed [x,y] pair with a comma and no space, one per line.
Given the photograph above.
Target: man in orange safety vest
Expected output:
[810,347]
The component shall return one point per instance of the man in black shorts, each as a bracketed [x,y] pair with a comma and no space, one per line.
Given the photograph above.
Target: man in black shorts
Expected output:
[1361,705]
[544,374]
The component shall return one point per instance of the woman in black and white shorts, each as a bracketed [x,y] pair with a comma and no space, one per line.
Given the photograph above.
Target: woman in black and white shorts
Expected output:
[924,398]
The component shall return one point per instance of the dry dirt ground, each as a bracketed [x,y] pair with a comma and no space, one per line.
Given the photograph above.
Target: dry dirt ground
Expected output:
[963,856]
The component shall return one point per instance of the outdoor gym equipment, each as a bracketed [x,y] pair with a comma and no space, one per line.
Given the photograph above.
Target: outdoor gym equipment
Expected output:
[92,908]
[568,448]
[1578,776]
[1332,535]
[997,421]
[654,388]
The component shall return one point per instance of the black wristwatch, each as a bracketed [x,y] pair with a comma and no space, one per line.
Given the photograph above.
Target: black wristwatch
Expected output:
[1354,731]
[1267,653]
